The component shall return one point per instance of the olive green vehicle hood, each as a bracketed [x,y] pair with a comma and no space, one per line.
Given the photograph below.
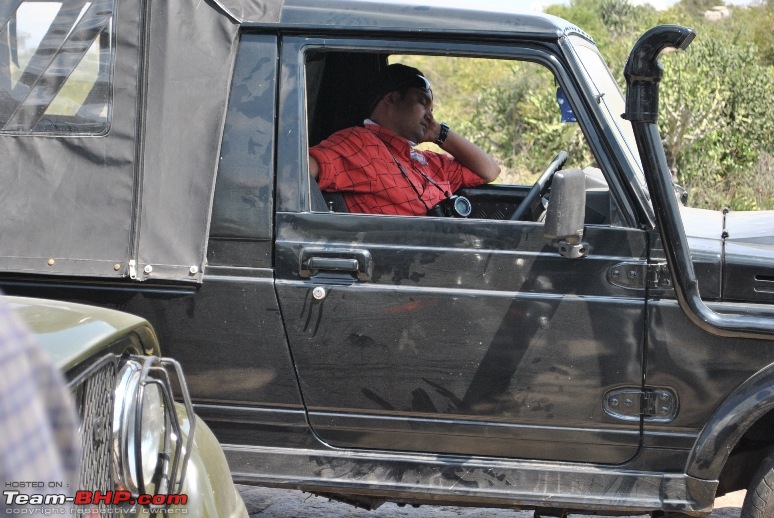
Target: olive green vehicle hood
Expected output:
[71,333]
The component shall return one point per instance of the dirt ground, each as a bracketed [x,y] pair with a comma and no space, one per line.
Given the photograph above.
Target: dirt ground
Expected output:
[278,503]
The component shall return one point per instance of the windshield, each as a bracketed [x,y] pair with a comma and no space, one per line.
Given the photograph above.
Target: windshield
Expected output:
[611,102]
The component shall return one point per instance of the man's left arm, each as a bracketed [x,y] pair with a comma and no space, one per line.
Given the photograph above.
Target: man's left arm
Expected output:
[465,152]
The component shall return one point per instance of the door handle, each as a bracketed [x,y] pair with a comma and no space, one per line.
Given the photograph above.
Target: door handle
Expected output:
[314,261]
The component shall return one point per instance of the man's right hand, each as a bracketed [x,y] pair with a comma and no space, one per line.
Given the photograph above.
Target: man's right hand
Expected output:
[314,168]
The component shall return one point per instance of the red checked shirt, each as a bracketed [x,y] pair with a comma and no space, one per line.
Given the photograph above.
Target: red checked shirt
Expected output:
[361,164]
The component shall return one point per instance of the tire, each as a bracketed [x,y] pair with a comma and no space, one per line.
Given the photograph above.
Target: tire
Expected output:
[759,502]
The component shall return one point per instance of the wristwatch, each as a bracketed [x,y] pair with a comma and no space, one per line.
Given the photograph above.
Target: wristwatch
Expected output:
[442,134]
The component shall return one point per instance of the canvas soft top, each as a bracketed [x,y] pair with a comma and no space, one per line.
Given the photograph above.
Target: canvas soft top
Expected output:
[123,186]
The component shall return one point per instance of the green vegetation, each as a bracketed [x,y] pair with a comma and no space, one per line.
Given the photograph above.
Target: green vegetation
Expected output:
[716,114]
[716,107]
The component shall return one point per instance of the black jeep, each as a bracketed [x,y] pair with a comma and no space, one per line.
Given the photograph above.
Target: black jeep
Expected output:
[586,343]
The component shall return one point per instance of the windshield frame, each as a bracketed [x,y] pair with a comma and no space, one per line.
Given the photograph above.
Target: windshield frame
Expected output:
[607,103]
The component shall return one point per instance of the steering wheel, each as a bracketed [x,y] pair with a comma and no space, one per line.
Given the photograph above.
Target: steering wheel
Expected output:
[540,188]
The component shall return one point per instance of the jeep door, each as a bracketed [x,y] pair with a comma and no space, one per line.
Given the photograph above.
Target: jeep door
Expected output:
[459,336]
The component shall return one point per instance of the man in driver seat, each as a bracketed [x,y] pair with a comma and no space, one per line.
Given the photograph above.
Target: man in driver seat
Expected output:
[377,168]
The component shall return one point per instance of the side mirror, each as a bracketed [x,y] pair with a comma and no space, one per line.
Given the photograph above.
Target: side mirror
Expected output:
[566,213]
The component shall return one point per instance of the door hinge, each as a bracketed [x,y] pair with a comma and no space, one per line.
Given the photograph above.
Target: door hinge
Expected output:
[640,275]
[659,276]
[654,404]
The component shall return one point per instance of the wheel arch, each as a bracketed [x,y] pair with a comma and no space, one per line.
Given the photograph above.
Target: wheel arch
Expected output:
[751,403]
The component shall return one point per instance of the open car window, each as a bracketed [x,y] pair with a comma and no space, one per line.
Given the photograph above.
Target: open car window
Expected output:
[515,110]
[509,108]
[56,60]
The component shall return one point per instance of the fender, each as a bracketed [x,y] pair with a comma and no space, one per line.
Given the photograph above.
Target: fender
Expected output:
[207,485]
[741,410]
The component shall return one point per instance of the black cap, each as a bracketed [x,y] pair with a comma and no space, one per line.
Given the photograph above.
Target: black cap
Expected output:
[396,77]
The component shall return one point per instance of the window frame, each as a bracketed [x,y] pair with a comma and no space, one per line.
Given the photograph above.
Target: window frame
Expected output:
[294,55]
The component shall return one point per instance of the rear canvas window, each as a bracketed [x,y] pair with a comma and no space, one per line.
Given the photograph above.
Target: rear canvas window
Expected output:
[56,61]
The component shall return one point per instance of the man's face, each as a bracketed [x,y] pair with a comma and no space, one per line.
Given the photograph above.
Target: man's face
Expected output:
[414,113]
